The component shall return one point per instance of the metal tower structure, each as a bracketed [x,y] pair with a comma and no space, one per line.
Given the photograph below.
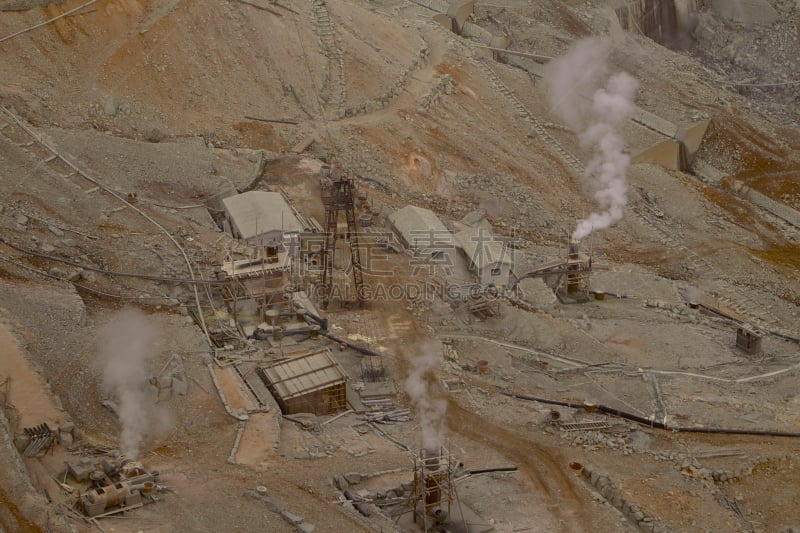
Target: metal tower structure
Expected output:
[337,196]
[434,490]
[574,287]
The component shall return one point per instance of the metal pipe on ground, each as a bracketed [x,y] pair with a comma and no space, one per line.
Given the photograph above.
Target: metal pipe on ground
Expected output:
[652,423]
[356,347]
[323,322]
[488,470]
[359,505]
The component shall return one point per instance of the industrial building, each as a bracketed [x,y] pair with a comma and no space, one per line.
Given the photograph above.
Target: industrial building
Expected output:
[310,383]
[260,218]
[421,231]
[488,258]
[748,339]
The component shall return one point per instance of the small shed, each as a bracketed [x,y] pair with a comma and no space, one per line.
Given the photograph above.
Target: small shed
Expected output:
[489,259]
[311,383]
[421,231]
[748,339]
[260,218]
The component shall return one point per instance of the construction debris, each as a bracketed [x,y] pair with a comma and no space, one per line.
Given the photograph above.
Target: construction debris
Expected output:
[36,440]
[397,415]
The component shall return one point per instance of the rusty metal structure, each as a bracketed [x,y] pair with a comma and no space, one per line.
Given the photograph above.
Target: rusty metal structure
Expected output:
[574,286]
[433,493]
[570,275]
[748,339]
[115,487]
[118,497]
[338,195]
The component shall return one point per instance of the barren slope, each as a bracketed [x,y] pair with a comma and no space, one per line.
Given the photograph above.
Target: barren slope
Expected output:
[151,99]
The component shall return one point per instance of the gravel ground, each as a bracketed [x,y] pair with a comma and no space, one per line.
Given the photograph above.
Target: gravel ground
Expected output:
[154,109]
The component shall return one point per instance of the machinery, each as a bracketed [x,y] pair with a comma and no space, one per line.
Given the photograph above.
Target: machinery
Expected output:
[115,487]
[570,275]
[123,494]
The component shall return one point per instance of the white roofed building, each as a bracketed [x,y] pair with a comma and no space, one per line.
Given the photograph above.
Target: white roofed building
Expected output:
[489,259]
[260,218]
[422,232]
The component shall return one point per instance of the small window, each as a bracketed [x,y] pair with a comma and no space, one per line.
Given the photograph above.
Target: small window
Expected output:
[496,271]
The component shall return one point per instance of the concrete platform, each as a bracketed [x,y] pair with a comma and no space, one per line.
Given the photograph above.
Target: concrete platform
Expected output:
[462,519]
[667,154]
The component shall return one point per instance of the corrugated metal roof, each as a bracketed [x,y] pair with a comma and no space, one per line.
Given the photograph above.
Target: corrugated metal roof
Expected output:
[420,227]
[257,212]
[305,374]
[482,248]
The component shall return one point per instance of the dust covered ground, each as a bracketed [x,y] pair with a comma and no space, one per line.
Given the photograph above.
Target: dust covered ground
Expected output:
[155,103]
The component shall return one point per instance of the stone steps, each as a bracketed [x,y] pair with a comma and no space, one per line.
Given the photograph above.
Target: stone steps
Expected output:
[334,93]
[568,158]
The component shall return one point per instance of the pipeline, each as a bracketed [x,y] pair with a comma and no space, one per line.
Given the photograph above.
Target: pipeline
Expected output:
[63,261]
[488,470]
[718,312]
[365,351]
[323,322]
[359,505]
[652,423]
[263,335]
[108,190]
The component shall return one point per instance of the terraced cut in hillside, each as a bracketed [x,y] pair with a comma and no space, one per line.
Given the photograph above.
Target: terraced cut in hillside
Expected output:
[501,374]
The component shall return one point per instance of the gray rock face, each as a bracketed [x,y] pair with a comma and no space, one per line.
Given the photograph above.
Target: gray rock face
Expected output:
[639,441]
[109,106]
[751,12]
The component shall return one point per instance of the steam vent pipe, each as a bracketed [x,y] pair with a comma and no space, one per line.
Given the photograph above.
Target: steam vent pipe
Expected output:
[574,248]
[433,495]
[573,256]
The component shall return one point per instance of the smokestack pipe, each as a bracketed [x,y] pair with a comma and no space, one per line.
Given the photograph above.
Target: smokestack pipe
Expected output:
[574,248]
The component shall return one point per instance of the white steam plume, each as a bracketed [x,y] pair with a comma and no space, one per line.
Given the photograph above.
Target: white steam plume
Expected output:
[126,344]
[418,386]
[595,103]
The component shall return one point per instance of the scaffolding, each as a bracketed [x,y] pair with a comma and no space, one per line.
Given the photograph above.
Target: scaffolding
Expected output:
[261,280]
[576,270]
[337,196]
[434,492]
